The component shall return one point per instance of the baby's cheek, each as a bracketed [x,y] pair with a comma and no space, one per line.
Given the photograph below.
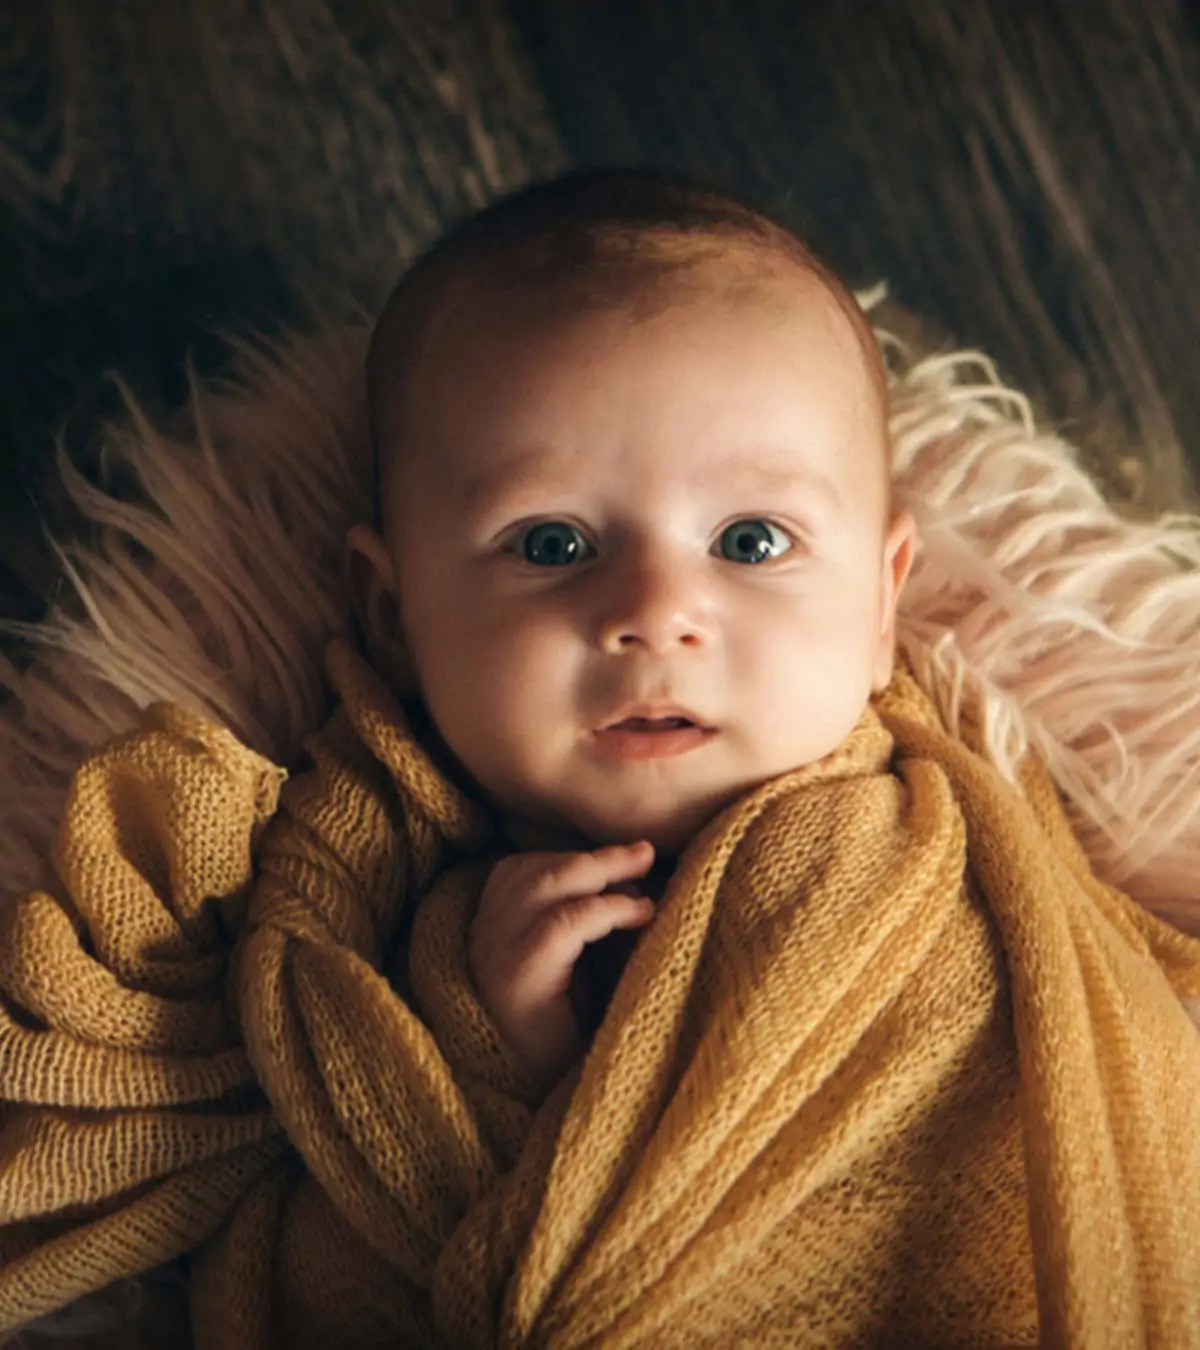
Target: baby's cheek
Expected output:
[808,702]
[511,722]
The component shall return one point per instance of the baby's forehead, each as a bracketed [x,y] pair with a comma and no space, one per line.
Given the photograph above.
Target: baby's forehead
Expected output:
[663,271]
[725,279]
[485,312]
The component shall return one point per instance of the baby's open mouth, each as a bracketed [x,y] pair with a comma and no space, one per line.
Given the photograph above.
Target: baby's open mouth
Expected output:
[639,737]
[651,724]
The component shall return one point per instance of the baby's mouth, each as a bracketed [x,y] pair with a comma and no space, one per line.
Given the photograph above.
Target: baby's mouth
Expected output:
[640,737]
[651,724]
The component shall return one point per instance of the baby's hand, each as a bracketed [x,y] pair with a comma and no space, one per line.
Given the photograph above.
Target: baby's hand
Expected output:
[537,913]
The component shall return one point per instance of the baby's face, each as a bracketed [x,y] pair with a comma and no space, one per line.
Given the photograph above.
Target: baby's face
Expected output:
[682,516]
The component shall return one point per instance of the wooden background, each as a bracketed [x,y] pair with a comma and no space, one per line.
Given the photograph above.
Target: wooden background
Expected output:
[1025,174]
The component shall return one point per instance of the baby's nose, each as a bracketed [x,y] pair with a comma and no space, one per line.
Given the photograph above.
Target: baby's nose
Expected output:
[657,605]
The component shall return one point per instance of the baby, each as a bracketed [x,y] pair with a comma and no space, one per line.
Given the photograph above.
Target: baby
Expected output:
[636,551]
[887,1063]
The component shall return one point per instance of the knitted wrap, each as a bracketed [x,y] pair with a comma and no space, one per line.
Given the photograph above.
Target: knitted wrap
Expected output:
[126,1088]
[888,1066]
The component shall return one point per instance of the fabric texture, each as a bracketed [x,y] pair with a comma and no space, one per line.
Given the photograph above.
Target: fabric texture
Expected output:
[889,1065]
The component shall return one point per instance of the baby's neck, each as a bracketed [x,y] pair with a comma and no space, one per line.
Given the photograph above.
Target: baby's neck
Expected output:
[526,836]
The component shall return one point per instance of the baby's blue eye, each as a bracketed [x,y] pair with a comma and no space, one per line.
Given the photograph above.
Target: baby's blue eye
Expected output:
[553,544]
[752,541]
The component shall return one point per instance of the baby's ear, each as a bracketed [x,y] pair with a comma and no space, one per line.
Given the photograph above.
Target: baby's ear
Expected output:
[899,550]
[370,580]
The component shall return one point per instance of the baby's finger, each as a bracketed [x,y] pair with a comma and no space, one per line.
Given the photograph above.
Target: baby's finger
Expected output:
[556,943]
[576,876]
[516,897]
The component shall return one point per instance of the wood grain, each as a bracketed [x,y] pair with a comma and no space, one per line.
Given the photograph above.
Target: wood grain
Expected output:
[1025,174]
[168,168]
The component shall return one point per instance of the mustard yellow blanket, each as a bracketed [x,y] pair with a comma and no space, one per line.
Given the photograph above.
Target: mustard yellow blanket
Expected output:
[889,1067]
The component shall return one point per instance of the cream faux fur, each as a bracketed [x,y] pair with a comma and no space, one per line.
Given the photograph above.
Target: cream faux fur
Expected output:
[221,587]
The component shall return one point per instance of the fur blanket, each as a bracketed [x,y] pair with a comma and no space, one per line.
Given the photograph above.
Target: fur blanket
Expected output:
[218,583]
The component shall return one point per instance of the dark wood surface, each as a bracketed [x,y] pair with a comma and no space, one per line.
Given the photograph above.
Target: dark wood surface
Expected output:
[1025,174]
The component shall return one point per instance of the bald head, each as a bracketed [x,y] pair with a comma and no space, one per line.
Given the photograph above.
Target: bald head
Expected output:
[636,242]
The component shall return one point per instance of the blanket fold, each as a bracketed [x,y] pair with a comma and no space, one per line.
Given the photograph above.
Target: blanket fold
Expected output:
[132,1119]
[889,1065]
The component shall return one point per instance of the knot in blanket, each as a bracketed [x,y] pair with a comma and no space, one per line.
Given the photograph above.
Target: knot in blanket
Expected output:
[888,1066]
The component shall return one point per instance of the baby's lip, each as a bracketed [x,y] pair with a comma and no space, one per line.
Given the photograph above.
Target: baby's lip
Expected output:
[645,714]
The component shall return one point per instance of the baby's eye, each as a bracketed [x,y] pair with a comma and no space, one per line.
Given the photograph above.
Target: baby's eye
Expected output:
[554,543]
[752,541]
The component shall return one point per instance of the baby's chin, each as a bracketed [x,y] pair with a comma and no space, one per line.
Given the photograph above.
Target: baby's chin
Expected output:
[585,826]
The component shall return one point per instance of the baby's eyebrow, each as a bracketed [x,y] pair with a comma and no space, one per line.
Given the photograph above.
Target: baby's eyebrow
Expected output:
[770,472]
[515,471]
[767,473]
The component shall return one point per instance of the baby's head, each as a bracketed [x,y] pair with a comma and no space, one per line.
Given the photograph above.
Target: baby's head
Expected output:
[632,463]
